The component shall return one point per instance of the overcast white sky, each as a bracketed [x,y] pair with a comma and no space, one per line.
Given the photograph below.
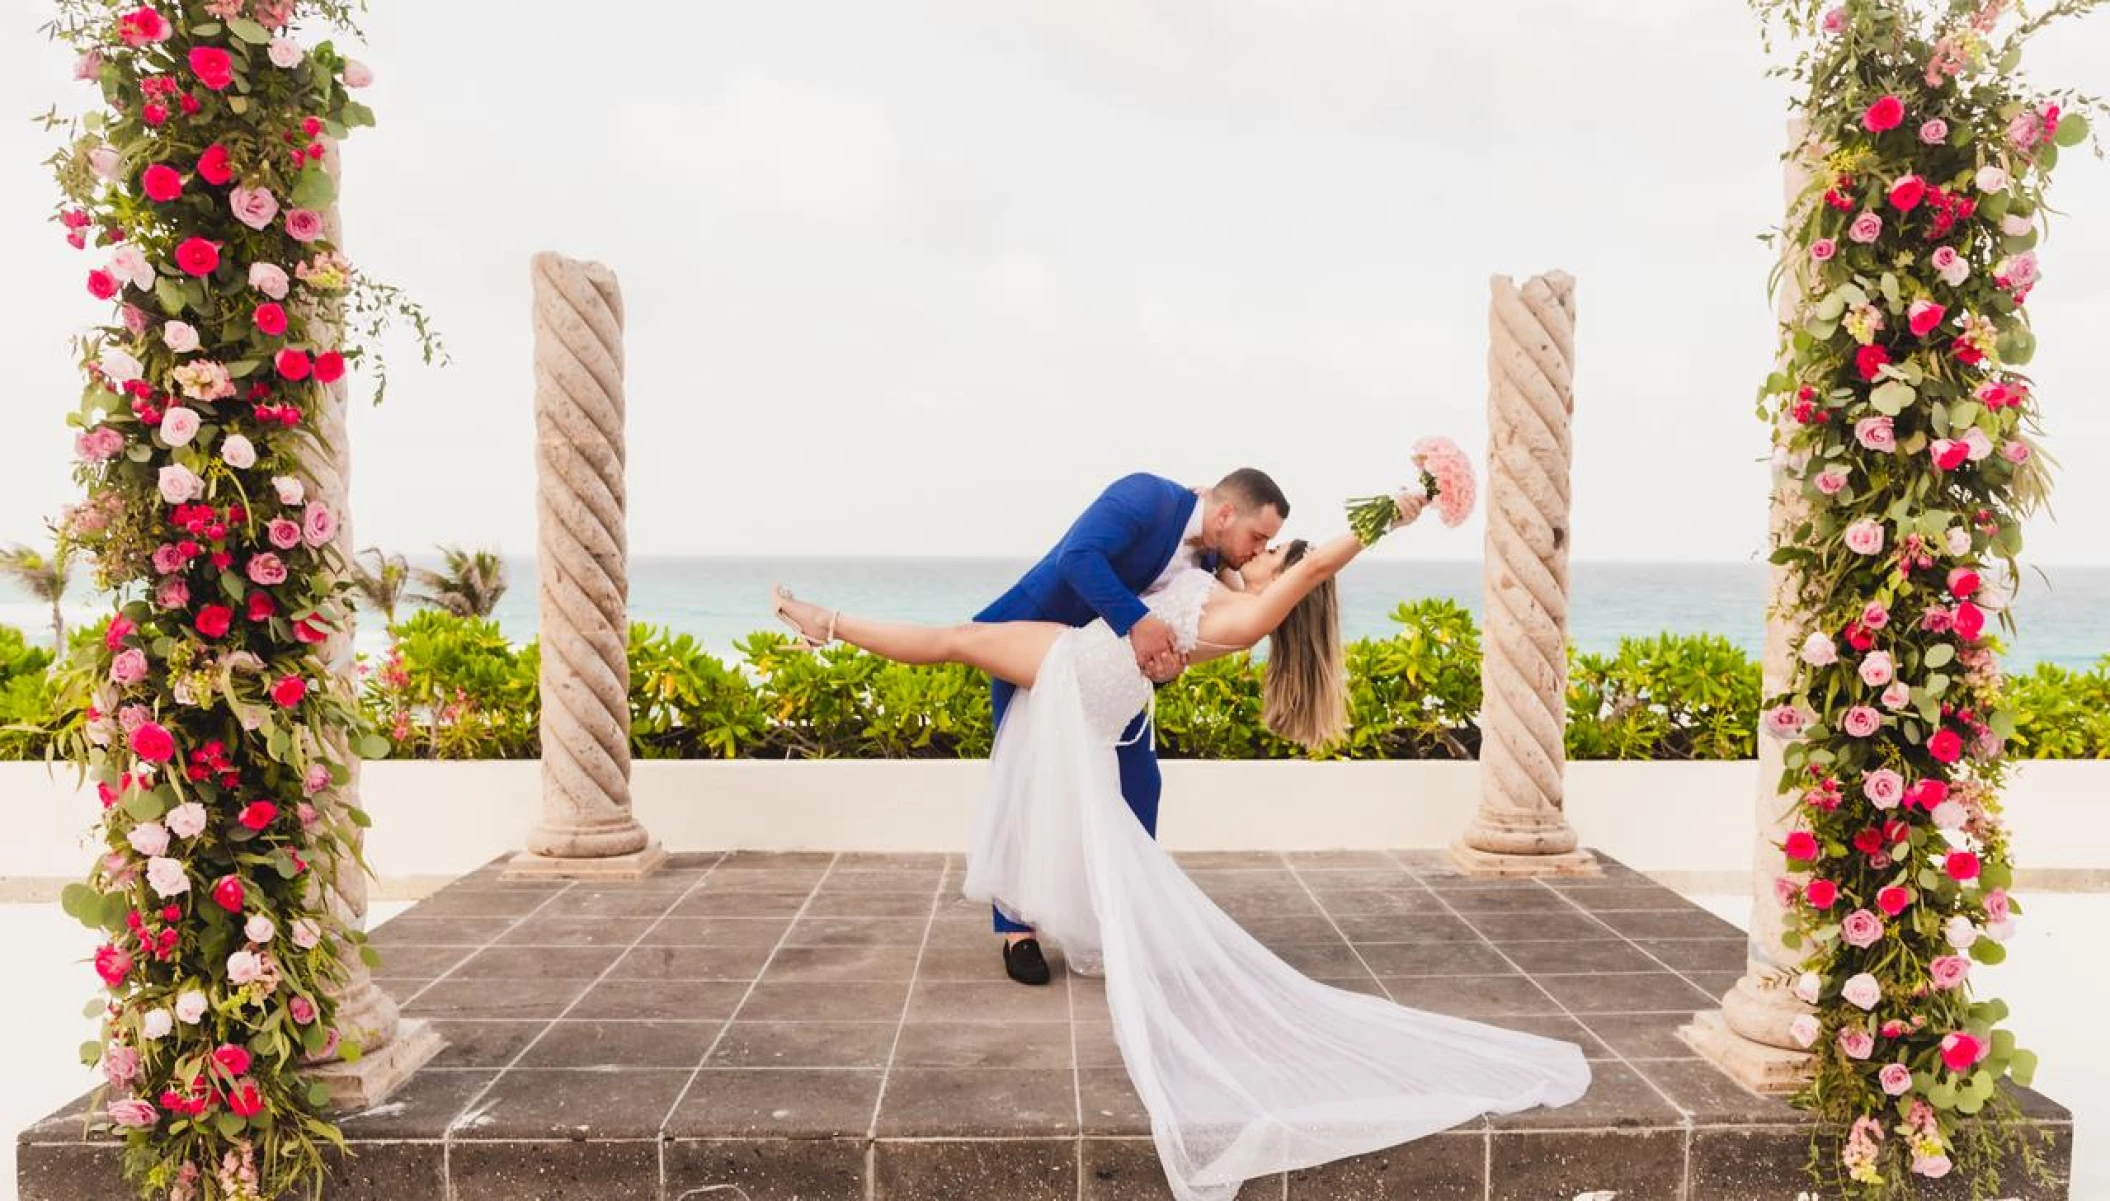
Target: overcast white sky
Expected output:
[919,278]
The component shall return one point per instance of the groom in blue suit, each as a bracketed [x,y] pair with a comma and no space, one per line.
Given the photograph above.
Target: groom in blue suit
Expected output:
[1139,531]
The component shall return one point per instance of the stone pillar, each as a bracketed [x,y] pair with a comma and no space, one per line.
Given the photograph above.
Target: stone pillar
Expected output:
[587,828]
[1521,828]
[390,1048]
[1748,1036]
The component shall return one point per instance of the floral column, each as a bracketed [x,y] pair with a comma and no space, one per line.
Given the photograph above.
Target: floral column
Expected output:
[1905,441]
[216,708]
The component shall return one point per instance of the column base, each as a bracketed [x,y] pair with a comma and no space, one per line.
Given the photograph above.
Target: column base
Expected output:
[634,866]
[1769,1071]
[1497,864]
[355,1087]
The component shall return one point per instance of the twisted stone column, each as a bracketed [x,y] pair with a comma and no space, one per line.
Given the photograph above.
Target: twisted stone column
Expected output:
[587,828]
[1748,1037]
[390,1048]
[1521,828]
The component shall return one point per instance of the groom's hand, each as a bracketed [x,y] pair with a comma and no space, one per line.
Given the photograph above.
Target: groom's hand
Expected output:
[1157,657]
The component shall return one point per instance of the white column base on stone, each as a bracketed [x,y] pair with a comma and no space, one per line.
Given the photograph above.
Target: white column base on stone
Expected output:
[1521,828]
[587,830]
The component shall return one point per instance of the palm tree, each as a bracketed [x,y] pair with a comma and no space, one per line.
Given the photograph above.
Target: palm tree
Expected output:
[469,585]
[43,578]
[381,589]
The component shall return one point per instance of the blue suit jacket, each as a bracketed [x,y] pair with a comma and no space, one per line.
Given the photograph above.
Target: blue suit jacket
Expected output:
[1114,551]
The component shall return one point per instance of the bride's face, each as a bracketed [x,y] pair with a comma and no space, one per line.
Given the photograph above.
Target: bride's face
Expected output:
[1261,570]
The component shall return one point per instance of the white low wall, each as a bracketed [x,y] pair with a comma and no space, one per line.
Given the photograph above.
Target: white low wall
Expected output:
[1688,822]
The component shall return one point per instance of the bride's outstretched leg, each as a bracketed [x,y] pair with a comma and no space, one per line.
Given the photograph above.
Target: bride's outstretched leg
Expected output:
[1009,650]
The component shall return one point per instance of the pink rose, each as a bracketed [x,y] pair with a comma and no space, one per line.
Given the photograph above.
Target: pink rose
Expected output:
[1856,1043]
[1818,650]
[149,838]
[254,207]
[301,1010]
[318,524]
[120,1065]
[129,667]
[267,570]
[238,452]
[179,337]
[269,279]
[303,225]
[179,484]
[1835,20]
[1804,1029]
[245,967]
[179,425]
[1861,929]
[1861,721]
[1877,669]
[1865,229]
[2015,452]
[357,74]
[1884,787]
[1785,721]
[1865,537]
[1875,617]
[284,533]
[1934,132]
[1831,481]
[1823,250]
[1951,266]
[1862,990]
[1896,1079]
[172,594]
[1948,971]
[317,779]
[1933,1167]
[1997,906]
[285,53]
[133,1113]
[305,933]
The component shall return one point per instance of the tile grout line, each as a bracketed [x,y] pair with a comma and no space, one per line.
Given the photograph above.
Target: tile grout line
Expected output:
[730,1018]
[1684,1118]
[446,1142]
[1298,876]
[447,1135]
[886,1070]
[1630,941]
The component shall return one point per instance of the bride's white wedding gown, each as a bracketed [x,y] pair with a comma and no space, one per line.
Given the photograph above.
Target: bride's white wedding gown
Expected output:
[1246,1066]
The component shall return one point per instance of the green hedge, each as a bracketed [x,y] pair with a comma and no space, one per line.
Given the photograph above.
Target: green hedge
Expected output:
[458,690]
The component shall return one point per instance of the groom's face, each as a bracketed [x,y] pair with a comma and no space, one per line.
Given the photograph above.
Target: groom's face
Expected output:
[1246,534]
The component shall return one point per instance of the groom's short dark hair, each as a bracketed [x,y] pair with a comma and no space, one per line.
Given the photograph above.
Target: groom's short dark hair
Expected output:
[1252,490]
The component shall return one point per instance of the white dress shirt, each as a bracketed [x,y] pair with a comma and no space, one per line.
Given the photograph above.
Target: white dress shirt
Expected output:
[1188,553]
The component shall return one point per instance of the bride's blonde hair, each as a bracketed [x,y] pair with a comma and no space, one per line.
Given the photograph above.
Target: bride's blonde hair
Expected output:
[1305,693]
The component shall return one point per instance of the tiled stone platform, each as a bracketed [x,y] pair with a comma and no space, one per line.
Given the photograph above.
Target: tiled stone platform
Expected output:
[837,1027]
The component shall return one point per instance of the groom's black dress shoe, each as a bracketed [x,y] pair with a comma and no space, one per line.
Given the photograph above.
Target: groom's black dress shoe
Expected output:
[1024,963]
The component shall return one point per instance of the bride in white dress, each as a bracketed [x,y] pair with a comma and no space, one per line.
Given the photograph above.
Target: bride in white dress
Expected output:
[1246,1066]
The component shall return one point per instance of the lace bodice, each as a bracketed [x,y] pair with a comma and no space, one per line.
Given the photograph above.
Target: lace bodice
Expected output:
[1113,689]
[1180,603]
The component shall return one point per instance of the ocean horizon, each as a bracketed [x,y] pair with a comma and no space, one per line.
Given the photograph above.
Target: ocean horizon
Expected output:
[720,600]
